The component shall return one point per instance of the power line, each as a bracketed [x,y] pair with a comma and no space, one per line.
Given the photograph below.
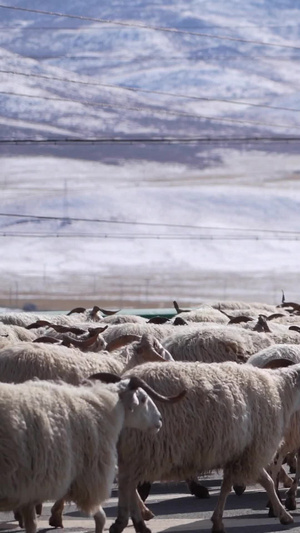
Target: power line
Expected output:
[94,27]
[154,224]
[208,57]
[149,237]
[153,140]
[148,91]
[147,27]
[151,110]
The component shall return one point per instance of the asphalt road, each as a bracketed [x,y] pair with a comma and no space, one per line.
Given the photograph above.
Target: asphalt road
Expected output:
[176,511]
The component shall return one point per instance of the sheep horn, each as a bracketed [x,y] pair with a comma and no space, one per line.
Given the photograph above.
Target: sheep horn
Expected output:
[275,315]
[180,321]
[106,377]
[239,319]
[178,309]
[84,343]
[157,320]
[38,324]
[136,382]
[295,306]
[94,331]
[295,328]
[115,344]
[107,313]
[279,363]
[151,349]
[76,310]
[50,340]
[67,329]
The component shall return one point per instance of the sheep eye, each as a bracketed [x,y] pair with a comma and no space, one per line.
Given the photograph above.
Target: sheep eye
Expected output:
[143,399]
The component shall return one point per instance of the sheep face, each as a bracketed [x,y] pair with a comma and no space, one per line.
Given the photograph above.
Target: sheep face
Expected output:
[140,410]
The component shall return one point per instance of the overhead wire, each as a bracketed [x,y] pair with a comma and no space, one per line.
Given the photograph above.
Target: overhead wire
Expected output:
[152,110]
[149,236]
[139,223]
[148,91]
[146,26]
[152,140]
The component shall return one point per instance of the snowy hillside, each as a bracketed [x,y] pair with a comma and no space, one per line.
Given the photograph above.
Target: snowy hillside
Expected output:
[206,207]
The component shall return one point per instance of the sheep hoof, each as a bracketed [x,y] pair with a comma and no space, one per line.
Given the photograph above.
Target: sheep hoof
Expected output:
[239,489]
[140,527]
[39,509]
[271,512]
[218,530]
[198,490]
[18,517]
[144,490]
[117,527]
[286,519]
[55,522]
[290,503]
[147,514]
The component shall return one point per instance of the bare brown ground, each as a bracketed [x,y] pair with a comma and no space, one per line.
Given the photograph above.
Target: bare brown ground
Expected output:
[150,292]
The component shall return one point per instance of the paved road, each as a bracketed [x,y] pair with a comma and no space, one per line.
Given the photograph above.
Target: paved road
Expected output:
[178,512]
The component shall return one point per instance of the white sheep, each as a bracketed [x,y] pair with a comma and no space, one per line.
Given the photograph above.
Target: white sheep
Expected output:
[25,360]
[233,417]
[279,356]
[21,318]
[15,333]
[59,441]
[204,313]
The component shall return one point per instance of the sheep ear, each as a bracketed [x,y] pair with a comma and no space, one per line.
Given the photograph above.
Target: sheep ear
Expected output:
[129,397]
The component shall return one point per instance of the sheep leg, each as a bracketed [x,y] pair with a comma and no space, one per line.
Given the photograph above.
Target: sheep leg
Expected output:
[196,488]
[274,472]
[55,519]
[100,519]
[145,512]
[123,506]
[217,516]
[268,484]
[29,518]
[18,517]
[290,502]
[137,511]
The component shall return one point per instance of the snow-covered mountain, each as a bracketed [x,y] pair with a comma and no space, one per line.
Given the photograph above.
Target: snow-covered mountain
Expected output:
[214,218]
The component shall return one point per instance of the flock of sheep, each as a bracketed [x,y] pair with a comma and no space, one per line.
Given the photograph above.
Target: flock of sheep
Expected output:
[77,397]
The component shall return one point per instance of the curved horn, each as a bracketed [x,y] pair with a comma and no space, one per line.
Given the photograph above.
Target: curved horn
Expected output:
[106,377]
[68,329]
[39,324]
[275,315]
[295,306]
[84,343]
[151,349]
[50,340]
[239,319]
[178,309]
[97,330]
[295,328]
[136,382]
[157,320]
[76,310]
[106,312]
[180,321]
[279,363]
[117,343]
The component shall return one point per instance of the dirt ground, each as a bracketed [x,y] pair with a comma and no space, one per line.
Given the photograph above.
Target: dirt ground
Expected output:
[151,292]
